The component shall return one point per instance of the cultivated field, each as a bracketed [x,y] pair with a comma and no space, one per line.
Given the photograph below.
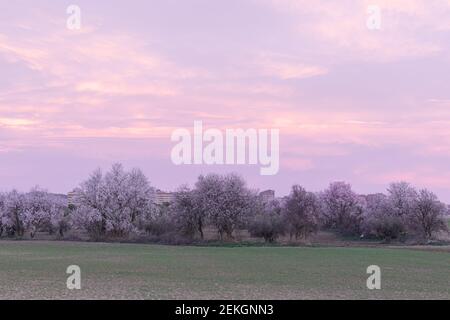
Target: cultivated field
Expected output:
[33,270]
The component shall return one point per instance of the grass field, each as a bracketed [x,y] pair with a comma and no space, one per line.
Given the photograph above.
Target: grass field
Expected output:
[33,270]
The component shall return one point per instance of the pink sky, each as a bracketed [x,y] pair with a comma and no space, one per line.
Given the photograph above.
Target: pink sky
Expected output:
[368,107]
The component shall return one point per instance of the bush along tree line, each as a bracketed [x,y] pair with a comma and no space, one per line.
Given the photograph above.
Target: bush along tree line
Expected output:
[120,204]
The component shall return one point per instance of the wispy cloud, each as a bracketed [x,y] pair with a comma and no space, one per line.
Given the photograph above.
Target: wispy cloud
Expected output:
[287,67]
[350,103]
[408,27]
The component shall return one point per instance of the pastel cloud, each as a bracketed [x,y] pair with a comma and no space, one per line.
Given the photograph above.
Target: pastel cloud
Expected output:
[342,24]
[351,104]
[287,67]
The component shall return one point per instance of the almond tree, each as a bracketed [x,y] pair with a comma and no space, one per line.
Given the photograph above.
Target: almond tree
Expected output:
[37,210]
[2,203]
[88,213]
[402,197]
[342,208]
[428,214]
[114,203]
[141,196]
[60,216]
[209,192]
[301,211]
[225,200]
[238,203]
[401,201]
[13,213]
[379,221]
[188,214]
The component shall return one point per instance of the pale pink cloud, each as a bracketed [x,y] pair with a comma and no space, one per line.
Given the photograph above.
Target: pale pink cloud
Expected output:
[341,95]
[406,25]
[17,123]
[99,63]
[420,176]
[297,164]
[287,67]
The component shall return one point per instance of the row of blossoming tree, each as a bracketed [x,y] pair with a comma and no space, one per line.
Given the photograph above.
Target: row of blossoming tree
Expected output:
[121,204]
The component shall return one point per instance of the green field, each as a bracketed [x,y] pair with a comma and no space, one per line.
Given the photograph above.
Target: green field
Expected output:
[32,270]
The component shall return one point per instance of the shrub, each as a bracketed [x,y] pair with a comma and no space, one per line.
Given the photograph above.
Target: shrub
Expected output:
[267,225]
[385,226]
[90,220]
[160,225]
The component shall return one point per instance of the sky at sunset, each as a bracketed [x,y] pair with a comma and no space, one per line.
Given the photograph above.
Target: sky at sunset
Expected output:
[365,106]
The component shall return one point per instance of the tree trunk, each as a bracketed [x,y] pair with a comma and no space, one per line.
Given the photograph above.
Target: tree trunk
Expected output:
[200,228]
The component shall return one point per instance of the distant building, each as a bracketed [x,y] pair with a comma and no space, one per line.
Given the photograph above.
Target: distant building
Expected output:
[267,195]
[282,200]
[163,197]
[71,197]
